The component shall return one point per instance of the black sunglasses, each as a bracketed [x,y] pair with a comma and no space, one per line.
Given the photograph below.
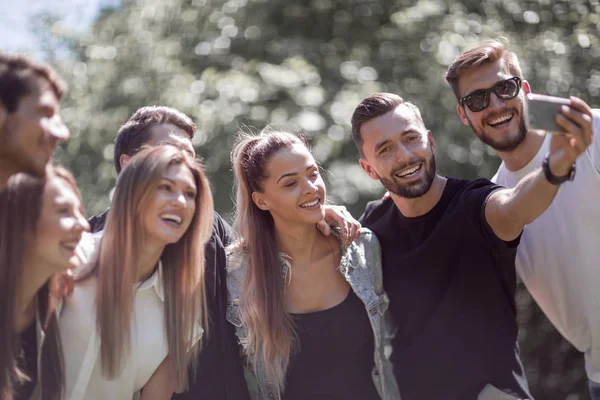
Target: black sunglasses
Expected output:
[480,99]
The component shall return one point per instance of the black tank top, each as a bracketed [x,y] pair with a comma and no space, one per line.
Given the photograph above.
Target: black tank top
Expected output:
[336,354]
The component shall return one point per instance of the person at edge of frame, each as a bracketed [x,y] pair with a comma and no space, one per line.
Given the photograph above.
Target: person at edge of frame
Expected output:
[557,259]
[449,249]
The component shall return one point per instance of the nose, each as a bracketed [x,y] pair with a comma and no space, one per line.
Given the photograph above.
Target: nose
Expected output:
[57,129]
[495,102]
[310,187]
[179,199]
[81,223]
[402,154]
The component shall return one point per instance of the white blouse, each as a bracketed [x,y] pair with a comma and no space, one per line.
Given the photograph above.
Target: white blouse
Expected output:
[81,344]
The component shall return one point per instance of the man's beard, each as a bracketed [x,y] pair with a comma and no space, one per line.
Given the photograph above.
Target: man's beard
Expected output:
[415,189]
[505,144]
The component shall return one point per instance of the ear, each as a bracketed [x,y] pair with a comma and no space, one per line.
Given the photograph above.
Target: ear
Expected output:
[124,160]
[462,114]
[364,164]
[431,141]
[526,87]
[260,201]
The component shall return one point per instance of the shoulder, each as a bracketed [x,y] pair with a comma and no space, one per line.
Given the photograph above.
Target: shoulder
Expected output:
[236,255]
[222,229]
[375,210]
[86,249]
[476,188]
[365,250]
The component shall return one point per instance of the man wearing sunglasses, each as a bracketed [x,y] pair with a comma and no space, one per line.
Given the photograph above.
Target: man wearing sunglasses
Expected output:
[557,259]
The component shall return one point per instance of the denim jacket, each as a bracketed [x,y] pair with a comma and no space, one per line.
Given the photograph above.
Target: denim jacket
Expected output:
[361,266]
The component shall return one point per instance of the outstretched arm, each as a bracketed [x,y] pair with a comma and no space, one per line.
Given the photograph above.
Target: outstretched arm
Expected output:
[508,211]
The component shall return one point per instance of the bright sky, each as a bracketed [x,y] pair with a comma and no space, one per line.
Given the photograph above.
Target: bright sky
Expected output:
[15,15]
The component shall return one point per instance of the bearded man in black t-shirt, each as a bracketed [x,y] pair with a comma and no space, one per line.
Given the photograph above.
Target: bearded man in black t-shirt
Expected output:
[449,250]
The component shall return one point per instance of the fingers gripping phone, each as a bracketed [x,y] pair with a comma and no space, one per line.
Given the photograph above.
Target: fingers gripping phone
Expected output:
[541,112]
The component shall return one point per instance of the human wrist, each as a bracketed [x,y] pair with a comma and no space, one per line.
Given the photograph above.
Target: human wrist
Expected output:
[558,165]
[556,170]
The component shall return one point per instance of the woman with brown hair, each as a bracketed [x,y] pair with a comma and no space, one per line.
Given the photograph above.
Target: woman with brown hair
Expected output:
[308,310]
[41,222]
[138,306]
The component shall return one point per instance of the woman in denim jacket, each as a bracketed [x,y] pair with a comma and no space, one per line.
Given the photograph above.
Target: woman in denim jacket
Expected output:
[308,311]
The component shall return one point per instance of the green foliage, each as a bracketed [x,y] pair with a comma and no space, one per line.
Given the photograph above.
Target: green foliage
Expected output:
[305,64]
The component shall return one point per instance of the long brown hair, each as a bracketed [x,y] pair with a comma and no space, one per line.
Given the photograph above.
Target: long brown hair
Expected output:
[20,207]
[183,263]
[271,334]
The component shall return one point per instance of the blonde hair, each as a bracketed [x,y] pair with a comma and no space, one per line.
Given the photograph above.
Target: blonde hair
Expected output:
[271,334]
[183,264]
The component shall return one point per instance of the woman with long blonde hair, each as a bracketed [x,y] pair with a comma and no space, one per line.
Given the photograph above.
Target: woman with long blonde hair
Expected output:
[308,310]
[41,222]
[135,318]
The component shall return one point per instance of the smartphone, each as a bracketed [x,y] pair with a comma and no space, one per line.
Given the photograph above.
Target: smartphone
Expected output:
[541,111]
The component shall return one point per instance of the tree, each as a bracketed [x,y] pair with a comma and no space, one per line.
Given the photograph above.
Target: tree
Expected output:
[240,64]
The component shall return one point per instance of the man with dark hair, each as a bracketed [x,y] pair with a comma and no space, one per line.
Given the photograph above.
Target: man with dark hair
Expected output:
[149,126]
[448,250]
[30,124]
[557,259]
[220,372]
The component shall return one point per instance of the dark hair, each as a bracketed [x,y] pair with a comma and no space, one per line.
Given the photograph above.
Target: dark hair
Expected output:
[136,132]
[17,77]
[20,207]
[375,106]
[472,59]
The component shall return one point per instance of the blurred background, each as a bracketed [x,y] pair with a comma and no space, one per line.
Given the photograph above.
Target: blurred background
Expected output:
[305,65]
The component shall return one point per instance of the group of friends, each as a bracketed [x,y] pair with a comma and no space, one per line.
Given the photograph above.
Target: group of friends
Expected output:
[160,298]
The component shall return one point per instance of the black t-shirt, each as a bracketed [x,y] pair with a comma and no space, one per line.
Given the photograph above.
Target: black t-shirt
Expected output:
[451,284]
[335,356]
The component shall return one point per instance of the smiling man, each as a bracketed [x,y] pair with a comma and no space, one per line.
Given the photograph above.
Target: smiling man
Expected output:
[448,256]
[30,124]
[558,257]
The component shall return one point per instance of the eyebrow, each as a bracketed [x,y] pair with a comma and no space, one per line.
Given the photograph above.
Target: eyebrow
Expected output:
[294,173]
[175,183]
[385,142]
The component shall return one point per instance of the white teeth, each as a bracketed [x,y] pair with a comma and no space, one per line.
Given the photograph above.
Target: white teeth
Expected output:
[311,204]
[409,171]
[171,217]
[500,120]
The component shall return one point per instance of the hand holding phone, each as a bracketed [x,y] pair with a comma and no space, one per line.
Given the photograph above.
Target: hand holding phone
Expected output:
[541,113]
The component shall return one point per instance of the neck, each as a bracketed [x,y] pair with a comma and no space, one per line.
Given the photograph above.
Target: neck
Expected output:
[421,205]
[299,241]
[148,260]
[37,275]
[518,158]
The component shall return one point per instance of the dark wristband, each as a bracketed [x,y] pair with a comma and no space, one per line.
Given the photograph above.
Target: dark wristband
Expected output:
[553,179]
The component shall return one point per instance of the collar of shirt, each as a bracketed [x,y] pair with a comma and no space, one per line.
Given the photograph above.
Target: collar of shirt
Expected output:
[155,282]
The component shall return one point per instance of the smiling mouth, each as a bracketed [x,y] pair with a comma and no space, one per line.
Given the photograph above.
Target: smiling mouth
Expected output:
[310,204]
[500,120]
[407,173]
[171,219]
